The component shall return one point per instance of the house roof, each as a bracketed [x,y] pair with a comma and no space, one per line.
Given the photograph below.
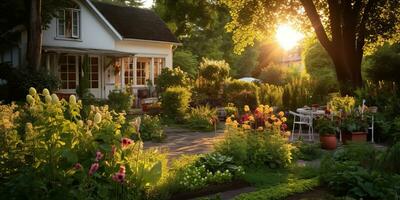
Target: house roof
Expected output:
[135,23]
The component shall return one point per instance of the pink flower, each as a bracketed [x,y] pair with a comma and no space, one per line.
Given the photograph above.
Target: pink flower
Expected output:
[119,177]
[93,168]
[126,142]
[99,156]
[113,149]
[78,166]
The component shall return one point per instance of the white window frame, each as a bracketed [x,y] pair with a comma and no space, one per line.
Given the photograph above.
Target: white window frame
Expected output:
[78,25]
[76,73]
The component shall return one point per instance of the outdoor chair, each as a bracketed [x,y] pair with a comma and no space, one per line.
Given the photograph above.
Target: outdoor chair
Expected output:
[301,120]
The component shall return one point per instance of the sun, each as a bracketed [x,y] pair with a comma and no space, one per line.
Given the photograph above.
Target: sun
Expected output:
[287,37]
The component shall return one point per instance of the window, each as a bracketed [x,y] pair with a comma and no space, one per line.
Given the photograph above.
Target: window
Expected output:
[69,22]
[128,74]
[67,71]
[159,63]
[94,72]
[142,70]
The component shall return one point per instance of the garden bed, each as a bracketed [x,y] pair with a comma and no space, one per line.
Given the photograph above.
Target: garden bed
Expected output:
[211,189]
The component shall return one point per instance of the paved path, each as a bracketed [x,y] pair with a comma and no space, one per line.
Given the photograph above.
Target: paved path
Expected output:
[181,141]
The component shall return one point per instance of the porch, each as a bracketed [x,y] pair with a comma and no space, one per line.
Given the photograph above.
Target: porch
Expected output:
[108,70]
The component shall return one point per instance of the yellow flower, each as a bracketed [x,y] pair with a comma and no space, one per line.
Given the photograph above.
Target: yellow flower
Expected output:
[260,128]
[278,123]
[228,120]
[251,118]
[283,119]
[246,108]
[273,117]
[271,109]
[246,126]
[281,114]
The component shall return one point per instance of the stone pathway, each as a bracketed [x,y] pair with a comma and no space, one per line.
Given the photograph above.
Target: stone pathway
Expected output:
[181,141]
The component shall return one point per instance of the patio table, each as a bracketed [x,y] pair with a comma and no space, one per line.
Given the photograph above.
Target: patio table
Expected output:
[308,111]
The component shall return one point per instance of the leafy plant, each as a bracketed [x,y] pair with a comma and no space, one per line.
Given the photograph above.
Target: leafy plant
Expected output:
[201,118]
[353,123]
[120,101]
[345,104]
[326,126]
[175,103]
[306,151]
[241,93]
[151,128]
[172,78]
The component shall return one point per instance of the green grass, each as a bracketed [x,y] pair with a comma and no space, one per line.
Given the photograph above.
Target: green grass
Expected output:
[282,190]
[264,177]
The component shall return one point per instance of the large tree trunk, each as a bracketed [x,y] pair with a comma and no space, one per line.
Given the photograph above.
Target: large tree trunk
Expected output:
[35,35]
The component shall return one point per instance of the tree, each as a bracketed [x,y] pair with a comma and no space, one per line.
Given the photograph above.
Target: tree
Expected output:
[342,27]
[185,60]
[131,3]
[384,64]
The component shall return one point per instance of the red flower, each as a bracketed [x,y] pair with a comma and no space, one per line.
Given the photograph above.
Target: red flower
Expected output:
[99,156]
[126,142]
[119,177]
[93,168]
[284,126]
[78,166]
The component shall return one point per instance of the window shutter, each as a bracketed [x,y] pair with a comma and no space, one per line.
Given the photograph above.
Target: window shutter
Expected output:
[75,23]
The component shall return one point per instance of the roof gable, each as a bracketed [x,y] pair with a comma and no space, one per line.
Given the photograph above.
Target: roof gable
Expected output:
[135,23]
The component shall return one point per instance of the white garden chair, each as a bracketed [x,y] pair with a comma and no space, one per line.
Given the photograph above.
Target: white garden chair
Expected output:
[301,120]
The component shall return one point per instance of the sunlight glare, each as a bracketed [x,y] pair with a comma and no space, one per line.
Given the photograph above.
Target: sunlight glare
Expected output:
[287,37]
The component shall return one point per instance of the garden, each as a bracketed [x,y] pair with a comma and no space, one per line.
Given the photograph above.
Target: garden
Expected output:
[319,118]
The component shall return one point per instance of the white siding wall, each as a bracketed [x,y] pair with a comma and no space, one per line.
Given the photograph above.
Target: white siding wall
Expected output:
[147,49]
[93,34]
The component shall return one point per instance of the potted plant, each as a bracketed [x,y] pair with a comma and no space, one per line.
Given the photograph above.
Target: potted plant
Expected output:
[327,132]
[353,128]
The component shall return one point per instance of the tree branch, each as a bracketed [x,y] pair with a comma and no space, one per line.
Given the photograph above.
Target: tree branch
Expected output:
[362,27]
[335,20]
[314,17]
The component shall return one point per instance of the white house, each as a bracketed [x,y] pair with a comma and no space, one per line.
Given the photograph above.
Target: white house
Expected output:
[126,47]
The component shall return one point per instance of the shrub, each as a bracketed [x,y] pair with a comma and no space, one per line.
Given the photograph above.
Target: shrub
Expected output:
[274,74]
[306,151]
[346,104]
[202,118]
[271,94]
[211,78]
[256,148]
[231,110]
[297,93]
[19,80]
[120,101]
[172,78]
[175,103]
[384,63]
[58,154]
[241,93]
[151,128]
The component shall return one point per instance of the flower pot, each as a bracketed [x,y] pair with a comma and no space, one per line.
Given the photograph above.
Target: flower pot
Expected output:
[328,141]
[355,137]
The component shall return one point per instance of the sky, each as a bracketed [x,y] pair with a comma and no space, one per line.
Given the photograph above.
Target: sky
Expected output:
[147,3]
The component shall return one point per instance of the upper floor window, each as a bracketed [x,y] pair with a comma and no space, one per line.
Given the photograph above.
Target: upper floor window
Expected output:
[68,22]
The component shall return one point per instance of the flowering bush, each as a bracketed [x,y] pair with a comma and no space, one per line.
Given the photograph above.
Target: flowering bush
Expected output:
[257,139]
[151,128]
[49,151]
[202,118]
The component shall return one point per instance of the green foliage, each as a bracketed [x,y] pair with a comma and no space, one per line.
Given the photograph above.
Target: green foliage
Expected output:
[175,103]
[151,128]
[326,126]
[211,78]
[274,74]
[241,93]
[19,80]
[353,122]
[201,118]
[51,152]
[131,3]
[271,95]
[306,151]
[230,110]
[355,171]
[172,78]
[384,64]
[297,93]
[391,160]
[256,148]
[280,191]
[345,104]
[186,61]
[120,101]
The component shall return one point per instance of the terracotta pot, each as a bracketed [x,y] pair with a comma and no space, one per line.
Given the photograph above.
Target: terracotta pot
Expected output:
[328,141]
[355,137]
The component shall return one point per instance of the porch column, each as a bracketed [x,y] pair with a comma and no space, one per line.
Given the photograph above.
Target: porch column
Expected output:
[134,71]
[122,71]
[152,70]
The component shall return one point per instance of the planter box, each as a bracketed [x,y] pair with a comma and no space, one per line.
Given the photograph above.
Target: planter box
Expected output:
[355,137]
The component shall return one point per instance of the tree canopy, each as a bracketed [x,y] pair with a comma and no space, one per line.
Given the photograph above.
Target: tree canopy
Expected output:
[343,28]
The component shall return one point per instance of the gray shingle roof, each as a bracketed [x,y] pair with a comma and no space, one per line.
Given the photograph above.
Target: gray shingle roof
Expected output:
[136,23]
